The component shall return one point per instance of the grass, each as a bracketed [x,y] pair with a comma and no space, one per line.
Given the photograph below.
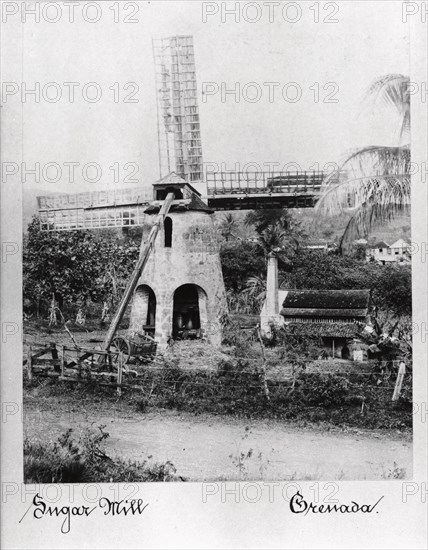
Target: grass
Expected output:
[80,459]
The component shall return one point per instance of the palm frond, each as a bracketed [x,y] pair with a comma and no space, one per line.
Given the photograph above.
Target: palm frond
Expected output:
[370,216]
[373,183]
[374,172]
[392,91]
[405,125]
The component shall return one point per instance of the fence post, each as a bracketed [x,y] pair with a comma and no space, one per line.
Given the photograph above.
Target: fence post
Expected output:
[30,364]
[399,381]
[79,367]
[265,385]
[55,356]
[119,373]
[62,361]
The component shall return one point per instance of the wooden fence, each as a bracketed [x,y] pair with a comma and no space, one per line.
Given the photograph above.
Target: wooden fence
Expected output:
[79,364]
[76,364]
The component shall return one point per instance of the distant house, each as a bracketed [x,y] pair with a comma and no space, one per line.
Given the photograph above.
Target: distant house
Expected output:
[401,251]
[384,253]
[362,242]
[316,245]
[322,245]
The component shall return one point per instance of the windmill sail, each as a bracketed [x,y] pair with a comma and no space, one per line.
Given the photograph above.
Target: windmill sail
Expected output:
[113,207]
[179,132]
[96,209]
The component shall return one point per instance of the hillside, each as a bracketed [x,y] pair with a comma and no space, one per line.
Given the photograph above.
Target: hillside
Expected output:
[317,227]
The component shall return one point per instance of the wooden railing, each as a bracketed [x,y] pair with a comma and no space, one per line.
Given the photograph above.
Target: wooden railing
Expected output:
[224,183]
[75,364]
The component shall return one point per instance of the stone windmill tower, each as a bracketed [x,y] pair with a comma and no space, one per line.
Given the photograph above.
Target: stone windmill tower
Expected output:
[177,284]
[176,288]
[181,290]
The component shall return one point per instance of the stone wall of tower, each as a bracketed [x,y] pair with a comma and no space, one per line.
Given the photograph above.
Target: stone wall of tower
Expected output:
[193,258]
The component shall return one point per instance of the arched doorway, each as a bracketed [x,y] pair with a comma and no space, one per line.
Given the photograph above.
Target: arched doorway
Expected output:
[189,311]
[144,310]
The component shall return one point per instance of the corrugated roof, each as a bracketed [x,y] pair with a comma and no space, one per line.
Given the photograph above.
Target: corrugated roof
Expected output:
[322,330]
[327,299]
[324,312]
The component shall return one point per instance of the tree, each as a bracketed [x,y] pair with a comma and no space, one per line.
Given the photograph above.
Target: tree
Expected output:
[318,270]
[373,183]
[254,293]
[229,225]
[278,232]
[359,251]
[392,289]
[263,219]
[75,266]
[240,260]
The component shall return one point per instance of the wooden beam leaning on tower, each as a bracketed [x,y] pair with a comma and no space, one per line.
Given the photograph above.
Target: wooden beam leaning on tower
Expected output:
[136,274]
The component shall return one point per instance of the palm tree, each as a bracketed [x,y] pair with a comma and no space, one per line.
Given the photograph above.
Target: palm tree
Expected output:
[254,294]
[229,225]
[280,239]
[278,231]
[373,183]
[393,91]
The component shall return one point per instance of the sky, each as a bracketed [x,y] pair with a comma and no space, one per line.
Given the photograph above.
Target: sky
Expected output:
[337,59]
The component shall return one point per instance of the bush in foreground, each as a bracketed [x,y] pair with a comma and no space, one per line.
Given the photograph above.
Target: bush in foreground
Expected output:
[83,459]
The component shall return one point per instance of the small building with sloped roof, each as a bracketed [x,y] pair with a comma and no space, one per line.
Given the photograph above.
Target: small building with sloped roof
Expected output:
[331,315]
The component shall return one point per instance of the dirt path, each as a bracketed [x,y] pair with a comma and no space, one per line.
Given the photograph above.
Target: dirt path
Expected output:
[201,446]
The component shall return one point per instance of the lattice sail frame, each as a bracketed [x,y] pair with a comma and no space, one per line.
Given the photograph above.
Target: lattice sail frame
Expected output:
[179,131]
[94,210]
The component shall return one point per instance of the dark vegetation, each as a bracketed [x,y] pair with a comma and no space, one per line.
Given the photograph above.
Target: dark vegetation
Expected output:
[81,268]
[239,261]
[236,389]
[79,459]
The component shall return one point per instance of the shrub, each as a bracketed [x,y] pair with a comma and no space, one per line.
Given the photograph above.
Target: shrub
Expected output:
[325,390]
[354,399]
[235,335]
[234,388]
[82,459]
